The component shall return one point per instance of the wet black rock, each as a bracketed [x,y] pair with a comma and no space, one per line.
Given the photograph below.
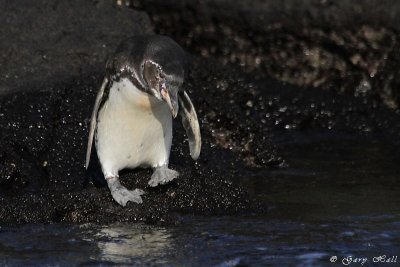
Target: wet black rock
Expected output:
[341,46]
[387,78]
[44,178]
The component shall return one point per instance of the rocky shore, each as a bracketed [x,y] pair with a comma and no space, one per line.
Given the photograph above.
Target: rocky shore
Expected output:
[252,76]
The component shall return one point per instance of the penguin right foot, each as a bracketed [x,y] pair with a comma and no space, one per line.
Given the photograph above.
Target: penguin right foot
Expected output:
[162,175]
[122,195]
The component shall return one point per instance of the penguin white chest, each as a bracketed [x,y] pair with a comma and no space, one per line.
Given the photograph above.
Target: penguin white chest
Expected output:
[134,129]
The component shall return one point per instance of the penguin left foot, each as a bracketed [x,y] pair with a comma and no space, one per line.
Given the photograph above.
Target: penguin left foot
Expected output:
[122,195]
[162,175]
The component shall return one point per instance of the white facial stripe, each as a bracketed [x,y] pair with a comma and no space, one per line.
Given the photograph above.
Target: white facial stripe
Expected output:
[155,64]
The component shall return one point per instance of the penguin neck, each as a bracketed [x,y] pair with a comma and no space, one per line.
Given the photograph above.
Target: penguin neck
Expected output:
[125,91]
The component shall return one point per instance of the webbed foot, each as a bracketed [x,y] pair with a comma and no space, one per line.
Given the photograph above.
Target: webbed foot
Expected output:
[162,175]
[122,195]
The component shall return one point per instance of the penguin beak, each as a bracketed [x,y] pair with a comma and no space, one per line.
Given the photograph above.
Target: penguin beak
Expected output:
[171,99]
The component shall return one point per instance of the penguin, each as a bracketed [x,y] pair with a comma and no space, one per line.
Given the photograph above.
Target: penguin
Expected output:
[131,122]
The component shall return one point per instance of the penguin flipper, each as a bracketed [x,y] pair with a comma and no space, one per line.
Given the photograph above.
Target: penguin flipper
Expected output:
[93,120]
[190,123]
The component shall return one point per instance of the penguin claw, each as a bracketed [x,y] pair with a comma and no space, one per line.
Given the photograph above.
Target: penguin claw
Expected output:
[162,175]
[122,195]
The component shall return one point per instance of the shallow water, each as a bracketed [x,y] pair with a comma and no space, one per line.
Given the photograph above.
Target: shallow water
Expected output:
[338,196]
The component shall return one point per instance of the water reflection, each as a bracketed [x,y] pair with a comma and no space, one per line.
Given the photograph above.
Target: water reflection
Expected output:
[217,241]
[127,243]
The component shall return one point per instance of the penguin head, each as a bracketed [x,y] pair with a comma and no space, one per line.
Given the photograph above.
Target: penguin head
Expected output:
[156,64]
[164,71]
